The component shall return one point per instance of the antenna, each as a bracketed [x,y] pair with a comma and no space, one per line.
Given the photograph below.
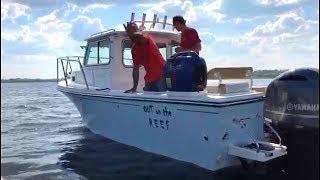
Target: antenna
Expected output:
[164,22]
[132,17]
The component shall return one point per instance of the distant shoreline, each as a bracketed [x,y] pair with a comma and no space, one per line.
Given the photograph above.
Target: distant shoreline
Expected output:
[20,80]
[267,74]
[259,74]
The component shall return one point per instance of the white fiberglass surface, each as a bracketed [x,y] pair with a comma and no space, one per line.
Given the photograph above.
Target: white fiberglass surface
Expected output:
[168,95]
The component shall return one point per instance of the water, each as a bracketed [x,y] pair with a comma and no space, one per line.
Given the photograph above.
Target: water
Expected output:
[42,137]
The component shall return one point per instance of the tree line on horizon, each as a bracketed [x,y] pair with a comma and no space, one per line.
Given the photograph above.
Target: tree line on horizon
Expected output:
[257,74]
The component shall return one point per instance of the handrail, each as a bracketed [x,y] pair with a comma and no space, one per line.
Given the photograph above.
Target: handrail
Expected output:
[102,32]
[64,73]
[67,58]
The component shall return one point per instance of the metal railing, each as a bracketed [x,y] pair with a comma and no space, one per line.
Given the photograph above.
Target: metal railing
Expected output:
[102,32]
[65,67]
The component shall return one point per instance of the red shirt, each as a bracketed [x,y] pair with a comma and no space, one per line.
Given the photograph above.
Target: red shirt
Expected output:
[149,56]
[189,37]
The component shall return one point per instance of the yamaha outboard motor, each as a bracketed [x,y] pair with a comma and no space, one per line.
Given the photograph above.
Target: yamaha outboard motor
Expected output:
[292,104]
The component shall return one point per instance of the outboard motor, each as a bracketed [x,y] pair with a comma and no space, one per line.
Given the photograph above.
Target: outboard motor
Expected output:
[292,105]
[185,71]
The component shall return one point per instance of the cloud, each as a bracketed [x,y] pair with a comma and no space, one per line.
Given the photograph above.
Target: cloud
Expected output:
[34,4]
[51,33]
[13,11]
[286,29]
[8,36]
[54,4]
[28,66]
[167,7]
[84,3]
[187,9]
[259,33]
[47,33]
[84,26]
[52,17]
[31,58]
[52,29]
[23,34]
[253,8]
[288,37]
[278,2]
[316,38]
[88,8]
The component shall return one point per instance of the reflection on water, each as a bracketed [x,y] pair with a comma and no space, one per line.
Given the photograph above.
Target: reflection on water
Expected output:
[96,157]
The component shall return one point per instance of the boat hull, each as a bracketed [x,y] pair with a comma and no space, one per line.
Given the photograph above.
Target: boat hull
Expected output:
[195,133]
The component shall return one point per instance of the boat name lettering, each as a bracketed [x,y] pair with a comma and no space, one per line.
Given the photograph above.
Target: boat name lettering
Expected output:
[153,110]
[158,123]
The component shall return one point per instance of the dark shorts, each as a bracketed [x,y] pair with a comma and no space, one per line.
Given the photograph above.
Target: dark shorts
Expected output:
[158,86]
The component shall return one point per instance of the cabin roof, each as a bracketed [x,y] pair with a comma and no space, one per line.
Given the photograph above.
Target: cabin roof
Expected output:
[112,32]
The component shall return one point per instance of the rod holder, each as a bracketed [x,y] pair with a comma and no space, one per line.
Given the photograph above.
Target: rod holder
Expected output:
[164,22]
[154,20]
[143,21]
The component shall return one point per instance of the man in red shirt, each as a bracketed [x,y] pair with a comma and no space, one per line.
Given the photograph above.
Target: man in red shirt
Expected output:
[190,40]
[145,53]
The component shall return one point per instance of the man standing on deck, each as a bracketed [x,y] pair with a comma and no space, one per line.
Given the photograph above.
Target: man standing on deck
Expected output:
[145,53]
[190,40]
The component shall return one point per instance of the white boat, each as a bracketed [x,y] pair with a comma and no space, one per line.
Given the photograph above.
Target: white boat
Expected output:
[215,128]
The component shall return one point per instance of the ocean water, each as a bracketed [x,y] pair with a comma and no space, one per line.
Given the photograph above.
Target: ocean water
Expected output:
[43,137]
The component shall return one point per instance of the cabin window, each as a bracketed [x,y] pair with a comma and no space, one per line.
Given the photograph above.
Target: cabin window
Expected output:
[104,52]
[98,52]
[126,52]
[92,53]
[163,49]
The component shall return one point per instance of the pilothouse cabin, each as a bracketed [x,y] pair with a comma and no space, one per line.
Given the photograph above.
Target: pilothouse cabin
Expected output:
[107,62]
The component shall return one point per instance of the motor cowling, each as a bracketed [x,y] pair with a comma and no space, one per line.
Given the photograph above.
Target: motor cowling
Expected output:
[292,105]
[292,100]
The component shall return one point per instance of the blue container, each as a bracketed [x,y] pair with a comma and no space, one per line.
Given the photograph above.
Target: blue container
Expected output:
[185,71]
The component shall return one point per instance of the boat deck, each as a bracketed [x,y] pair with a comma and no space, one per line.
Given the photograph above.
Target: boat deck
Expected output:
[201,97]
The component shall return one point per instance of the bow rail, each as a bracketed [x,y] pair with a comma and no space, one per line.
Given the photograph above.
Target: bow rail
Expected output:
[67,66]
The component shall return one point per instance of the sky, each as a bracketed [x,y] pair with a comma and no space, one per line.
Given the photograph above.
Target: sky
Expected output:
[263,34]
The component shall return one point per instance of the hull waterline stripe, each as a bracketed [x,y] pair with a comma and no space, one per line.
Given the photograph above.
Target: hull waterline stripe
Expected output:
[111,101]
[188,110]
